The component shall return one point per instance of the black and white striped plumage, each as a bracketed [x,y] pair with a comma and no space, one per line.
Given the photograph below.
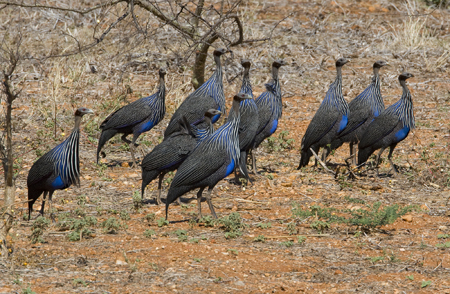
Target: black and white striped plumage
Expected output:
[363,109]
[270,109]
[329,120]
[390,127]
[135,118]
[57,169]
[208,96]
[170,153]
[211,161]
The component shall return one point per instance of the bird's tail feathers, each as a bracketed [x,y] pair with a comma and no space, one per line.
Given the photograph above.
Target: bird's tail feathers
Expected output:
[104,137]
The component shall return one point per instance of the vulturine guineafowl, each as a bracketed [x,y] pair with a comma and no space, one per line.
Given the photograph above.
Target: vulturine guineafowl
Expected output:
[363,109]
[249,122]
[201,133]
[390,127]
[330,119]
[270,109]
[211,161]
[207,96]
[57,169]
[135,118]
[170,153]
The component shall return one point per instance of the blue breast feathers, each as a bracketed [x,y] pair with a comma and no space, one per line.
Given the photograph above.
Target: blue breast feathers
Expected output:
[58,183]
[274,126]
[400,135]
[230,168]
[146,126]
[216,117]
[343,123]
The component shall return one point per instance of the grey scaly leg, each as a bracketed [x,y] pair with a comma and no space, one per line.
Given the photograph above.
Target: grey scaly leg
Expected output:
[391,149]
[208,199]
[199,202]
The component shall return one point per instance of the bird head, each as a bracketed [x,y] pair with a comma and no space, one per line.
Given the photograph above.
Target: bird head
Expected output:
[82,111]
[380,64]
[241,97]
[404,76]
[246,63]
[162,72]
[212,112]
[220,51]
[341,62]
[279,63]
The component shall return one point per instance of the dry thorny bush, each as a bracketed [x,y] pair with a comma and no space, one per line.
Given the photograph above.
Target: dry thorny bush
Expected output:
[309,36]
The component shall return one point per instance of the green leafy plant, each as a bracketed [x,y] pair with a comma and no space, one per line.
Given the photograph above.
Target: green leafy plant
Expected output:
[376,259]
[112,225]
[443,245]
[291,228]
[287,243]
[425,284]
[301,239]
[149,233]
[137,200]
[28,290]
[264,225]
[232,225]
[124,215]
[443,236]
[320,226]
[260,238]
[78,281]
[410,277]
[38,228]
[280,143]
[162,222]
[150,217]
[182,235]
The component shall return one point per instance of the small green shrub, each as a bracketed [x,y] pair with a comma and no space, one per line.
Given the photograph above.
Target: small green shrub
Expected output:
[260,238]
[162,222]
[150,217]
[232,225]
[149,233]
[137,200]
[38,228]
[182,235]
[287,243]
[301,239]
[124,215]
[112,225]
[320,226]
[207,221]
[264,226]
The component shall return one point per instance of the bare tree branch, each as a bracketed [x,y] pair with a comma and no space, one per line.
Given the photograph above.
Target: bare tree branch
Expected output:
[79,11]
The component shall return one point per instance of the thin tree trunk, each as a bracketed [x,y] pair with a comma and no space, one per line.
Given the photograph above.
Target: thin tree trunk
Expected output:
[198,75]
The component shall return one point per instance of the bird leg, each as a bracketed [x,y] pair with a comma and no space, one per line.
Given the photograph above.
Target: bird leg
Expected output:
[158,196]
[254,162]
[353,153]
[41,212]
[124,138]
[208,199]
[391,149]
[50,206]
[199,202]
[377,162]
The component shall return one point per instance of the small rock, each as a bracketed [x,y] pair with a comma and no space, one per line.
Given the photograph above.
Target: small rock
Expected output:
[125,164]
[234,208]
[239,283]
[121,262]
[407,218]
[443,228]
[338,272]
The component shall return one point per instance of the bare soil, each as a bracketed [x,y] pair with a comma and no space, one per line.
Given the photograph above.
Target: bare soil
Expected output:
[405,256]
